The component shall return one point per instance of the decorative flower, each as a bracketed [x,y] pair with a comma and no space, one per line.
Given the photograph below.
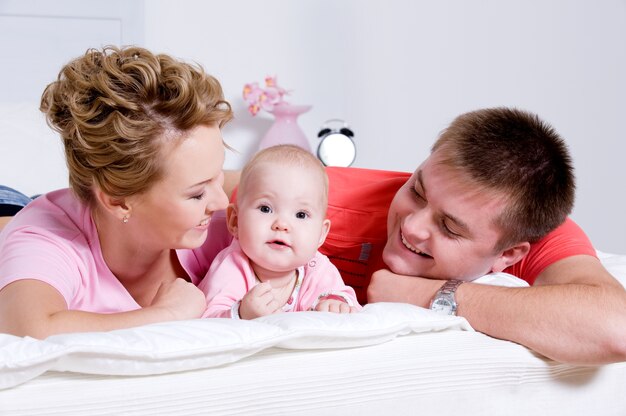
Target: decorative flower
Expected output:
[266,98]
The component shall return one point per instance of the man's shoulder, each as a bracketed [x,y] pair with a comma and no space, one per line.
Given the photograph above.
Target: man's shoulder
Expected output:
[366,190]
[567,240]
[342,178]
[568,233]
[359,200]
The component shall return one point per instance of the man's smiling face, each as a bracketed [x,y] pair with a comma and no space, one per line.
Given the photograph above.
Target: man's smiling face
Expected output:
[442,226]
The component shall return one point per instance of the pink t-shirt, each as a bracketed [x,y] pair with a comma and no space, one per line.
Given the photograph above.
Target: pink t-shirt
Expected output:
[54,240]
[231,277]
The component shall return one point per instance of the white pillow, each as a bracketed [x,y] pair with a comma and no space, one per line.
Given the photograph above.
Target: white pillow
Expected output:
[201,343]
[501,279]
[615,264]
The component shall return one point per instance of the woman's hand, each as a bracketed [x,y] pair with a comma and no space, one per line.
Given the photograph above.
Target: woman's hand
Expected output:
[180,298]
[33,308]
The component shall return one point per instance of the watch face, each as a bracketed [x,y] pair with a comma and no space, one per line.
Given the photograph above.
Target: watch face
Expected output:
[442,305]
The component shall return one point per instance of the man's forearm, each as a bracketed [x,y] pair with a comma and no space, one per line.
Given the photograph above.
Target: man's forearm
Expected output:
[565,322]
[581,322]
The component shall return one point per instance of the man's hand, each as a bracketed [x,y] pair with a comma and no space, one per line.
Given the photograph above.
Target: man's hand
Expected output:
[183,300]
[259,301]
[559,316]
[386,286]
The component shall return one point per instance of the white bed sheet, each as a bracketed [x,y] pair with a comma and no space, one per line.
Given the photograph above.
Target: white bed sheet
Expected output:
[446,373]
[389,359]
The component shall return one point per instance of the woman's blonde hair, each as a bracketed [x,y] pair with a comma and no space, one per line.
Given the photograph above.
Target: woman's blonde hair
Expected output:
[114,108]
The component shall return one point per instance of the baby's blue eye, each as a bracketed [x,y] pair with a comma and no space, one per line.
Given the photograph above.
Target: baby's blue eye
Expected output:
[301,215]
[265,209]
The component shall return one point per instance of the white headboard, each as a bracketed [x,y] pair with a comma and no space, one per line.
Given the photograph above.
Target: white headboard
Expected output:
[36,38]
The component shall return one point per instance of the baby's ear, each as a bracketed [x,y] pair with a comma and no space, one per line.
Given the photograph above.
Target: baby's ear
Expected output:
[231,219]
[324,234]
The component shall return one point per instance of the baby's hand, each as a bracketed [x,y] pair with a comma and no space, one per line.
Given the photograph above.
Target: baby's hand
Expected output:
[334,305]
[259,301]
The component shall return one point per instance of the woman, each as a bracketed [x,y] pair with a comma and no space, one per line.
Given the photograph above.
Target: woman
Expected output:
[143,220]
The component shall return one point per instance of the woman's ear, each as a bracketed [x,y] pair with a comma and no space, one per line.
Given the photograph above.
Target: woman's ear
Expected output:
[117,207]
[510,256]
[232,219]
[324,234]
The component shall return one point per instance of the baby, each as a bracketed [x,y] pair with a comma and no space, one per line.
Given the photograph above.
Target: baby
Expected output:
[278,223]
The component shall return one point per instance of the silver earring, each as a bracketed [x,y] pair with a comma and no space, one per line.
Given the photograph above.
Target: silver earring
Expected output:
[125,219]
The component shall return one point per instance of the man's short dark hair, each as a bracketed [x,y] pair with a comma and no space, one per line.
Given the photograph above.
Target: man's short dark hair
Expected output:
[516,154]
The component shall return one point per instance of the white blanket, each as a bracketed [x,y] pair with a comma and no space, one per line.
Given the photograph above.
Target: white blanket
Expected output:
[206,343]
[202,343]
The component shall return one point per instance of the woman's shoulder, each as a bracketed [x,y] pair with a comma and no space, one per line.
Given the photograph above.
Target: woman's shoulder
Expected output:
[51,240]
[58,213]
[53,235]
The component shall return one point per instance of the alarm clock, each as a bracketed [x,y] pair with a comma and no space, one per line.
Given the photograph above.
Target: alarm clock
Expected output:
[336,147]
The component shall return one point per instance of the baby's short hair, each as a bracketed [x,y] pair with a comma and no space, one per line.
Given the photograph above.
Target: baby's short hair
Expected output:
[286,155]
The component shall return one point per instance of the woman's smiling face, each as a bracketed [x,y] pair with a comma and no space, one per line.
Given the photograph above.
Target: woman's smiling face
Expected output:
[176,211]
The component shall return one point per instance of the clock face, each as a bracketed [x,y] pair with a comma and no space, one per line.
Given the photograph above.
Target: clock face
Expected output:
[336,149]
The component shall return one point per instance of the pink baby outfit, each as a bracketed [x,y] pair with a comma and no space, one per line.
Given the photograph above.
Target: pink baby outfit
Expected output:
[231,277]
[54,240]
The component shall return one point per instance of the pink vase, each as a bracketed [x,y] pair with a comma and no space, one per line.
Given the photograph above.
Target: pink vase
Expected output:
[285,129]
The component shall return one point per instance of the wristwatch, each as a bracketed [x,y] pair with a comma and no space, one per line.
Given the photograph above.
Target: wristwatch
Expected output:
[444,301]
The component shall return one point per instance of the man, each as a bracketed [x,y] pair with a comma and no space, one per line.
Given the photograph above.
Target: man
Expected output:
[493,196]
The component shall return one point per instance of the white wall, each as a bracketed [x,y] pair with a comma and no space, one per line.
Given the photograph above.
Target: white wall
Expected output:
[400,70]
[36,38]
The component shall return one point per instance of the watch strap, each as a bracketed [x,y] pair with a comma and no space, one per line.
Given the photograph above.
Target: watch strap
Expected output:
[450,286]
[447,291]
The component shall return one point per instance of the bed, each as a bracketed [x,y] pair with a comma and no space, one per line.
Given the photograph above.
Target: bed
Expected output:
[388,359]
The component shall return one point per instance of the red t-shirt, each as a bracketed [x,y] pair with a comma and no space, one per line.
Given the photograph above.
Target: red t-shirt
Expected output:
[358,202]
